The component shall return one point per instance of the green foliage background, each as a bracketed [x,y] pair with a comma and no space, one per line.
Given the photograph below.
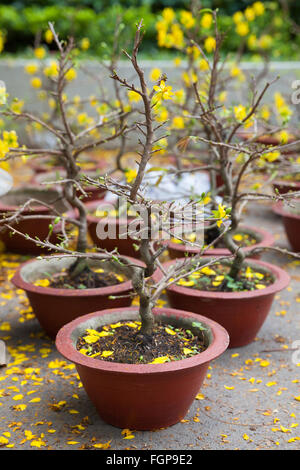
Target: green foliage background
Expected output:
[23,20]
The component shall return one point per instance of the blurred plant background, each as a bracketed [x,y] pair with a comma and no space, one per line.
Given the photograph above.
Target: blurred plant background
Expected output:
[23,24]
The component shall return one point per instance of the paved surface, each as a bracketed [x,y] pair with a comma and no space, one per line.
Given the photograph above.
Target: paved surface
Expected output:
[249,397]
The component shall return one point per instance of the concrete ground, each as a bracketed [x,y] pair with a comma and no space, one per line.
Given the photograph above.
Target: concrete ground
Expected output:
[251,396]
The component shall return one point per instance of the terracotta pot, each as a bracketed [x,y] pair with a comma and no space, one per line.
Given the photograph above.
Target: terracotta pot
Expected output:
[272,141]
[241,313]
[142,396]
[284,187]
[179,250]
[56,307]
[291,224]
[34,227]
[124,245]
[93,192]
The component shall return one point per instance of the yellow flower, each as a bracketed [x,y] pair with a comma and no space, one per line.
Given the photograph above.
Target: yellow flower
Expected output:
[271,156]
[206,21]
[48,36]
[85,44]
[240,112]
[2,94]
[210,44]
[265,42]
[4,148]
[238,17]
[51,70]
[178,122]
[236,72]
[176,38]
[265,112]
[187,19]
[222,96]
[39,52]
[163,92]
[31,68]
[130,175]
[179,96]
[133,96]
[282,135]
[242,28]
[155,74]
[252,41]
[203,65]
[17,106]
[279,100]
[36,82]
[71,74]
[249,13]
[259,8]
[168,14]
[162,114]
[177,61]
[11,138]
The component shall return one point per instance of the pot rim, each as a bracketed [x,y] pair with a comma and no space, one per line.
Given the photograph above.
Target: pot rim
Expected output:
[217,346]
[266,239]
[286,183]
[278,209]
[19,282]
[93,219]
[35,209]
[281,282]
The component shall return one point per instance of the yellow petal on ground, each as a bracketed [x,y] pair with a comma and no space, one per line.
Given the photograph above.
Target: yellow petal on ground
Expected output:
[106,353]
[90,339]
[169,331]
[160,360]
[131,324]
[187,351]
[264,363]
[199,396]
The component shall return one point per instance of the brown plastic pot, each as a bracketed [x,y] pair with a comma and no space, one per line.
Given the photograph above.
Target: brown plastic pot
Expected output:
[284,187]
[142,396]
[93,192]
[291,224]
[34,227]
[241,313]
[55,307]
[179,250]
[271,141]
[124,245]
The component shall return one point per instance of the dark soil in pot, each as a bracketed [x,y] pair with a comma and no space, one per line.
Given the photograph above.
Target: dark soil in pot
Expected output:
[242,313]
[34,227]
[286,186]
[142,396]
[54,307]
[247,237]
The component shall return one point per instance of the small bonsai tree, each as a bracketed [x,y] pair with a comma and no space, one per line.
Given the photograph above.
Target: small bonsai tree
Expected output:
[231,157]
[168,216]
[74,134]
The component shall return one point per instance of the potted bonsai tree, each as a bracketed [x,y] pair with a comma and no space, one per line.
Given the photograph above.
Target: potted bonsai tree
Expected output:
[59,289]
[124,355]
[237,293]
